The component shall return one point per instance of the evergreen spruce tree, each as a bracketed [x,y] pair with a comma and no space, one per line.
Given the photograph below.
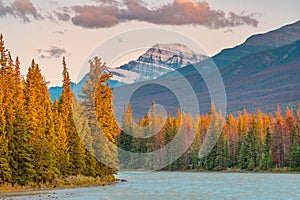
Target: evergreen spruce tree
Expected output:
[9,103]
[126,136]
[61,140]
[267,154]
[76,150]
[7,74]
[97,104]
[5,126]
[227,159]
[294,157]
[210,144]
[24,173]
[219,157]
[243,161]
[159,140]
[195,147]
[289,123]
[187,131]
[40,126]
[277,140]
[84,133]
[232,129]
[168,137]
[177,122]
[5,171]
[106,118]
[253,145]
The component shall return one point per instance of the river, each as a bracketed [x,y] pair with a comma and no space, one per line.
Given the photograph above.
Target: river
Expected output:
[185,185]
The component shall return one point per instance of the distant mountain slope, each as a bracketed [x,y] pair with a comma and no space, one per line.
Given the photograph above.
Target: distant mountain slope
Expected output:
[260,80]
[256,43]
[264,79]
[156,61]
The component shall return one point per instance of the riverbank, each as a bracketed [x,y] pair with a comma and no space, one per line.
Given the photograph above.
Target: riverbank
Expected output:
[184,185]
[237,170]
[7,190]
[231,170]
[273,171]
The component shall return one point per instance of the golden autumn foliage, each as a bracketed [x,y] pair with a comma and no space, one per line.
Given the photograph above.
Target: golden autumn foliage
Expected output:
[254,141]
[39,142]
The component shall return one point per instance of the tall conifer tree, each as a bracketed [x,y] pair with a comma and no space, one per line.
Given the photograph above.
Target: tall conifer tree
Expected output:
[76,149]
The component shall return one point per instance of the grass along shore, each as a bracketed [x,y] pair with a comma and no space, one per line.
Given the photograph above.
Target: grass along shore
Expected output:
[7,190]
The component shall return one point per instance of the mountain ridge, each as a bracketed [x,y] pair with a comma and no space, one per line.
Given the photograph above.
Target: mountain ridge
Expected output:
[259,42]
[274,74]
[261,80]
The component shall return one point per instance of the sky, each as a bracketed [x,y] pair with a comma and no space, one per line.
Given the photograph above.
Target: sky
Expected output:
[48,30]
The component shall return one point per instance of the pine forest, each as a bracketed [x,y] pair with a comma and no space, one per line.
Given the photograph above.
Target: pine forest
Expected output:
[46,143]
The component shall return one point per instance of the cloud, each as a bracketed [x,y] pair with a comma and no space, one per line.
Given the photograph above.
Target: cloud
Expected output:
[180,12]
[109,13]
[24,8]
[5,10]
[53,3]
[20,8]
[60,32]
[53,52]
[106,1]
[96,16]
[62,16]
[228,31]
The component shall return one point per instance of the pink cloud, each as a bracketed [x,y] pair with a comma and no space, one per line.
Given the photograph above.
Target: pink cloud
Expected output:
[180,12]
[24,8]
[95,16]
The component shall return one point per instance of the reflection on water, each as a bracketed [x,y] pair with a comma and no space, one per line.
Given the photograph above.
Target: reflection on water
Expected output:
[186,185]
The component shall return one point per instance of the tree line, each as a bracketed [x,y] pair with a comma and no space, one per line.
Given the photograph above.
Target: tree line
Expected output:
[41,141]
[249,141]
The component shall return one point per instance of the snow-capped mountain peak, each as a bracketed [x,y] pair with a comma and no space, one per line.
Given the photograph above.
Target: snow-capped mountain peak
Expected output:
[174,55]
[158,60]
